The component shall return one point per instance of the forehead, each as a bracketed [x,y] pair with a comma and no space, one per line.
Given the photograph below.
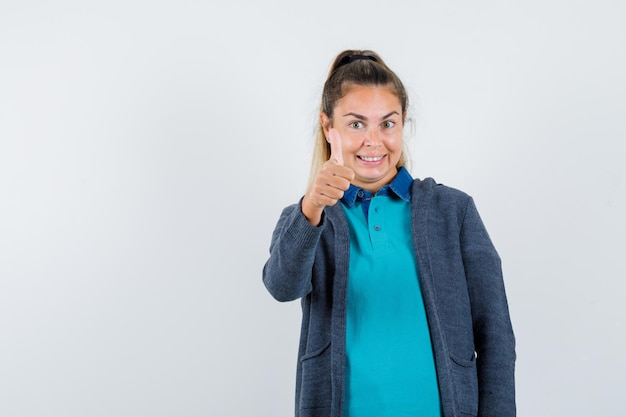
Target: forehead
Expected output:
[369,97]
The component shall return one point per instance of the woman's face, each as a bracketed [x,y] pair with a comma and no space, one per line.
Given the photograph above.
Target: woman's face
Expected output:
[369,120]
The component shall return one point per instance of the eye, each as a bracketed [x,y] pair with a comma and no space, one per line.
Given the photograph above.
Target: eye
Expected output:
[388,124]
[356,125]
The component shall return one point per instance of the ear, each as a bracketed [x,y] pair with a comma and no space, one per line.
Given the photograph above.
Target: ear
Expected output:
[325,122]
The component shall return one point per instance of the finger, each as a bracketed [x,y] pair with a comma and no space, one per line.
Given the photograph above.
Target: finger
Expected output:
[336,154]
[338,176]
[341,178]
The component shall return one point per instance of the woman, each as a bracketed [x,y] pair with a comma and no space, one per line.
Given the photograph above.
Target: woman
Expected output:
[403,302]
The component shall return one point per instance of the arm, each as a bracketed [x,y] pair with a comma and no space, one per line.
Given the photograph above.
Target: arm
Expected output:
[493,333]
[287,272]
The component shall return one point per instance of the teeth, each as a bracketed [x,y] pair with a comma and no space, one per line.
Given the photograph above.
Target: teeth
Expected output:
[371,158]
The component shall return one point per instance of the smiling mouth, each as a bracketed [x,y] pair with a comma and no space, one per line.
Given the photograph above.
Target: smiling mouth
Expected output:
[371,158]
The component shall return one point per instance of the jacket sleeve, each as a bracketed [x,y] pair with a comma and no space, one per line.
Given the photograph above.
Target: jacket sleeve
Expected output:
[287,272]
[493,333]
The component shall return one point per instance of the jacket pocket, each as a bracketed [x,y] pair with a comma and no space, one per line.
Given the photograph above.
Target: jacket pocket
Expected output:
[466,384]
[315,384]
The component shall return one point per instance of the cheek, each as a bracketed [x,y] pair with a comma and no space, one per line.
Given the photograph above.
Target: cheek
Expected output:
[394,143]
[350,143]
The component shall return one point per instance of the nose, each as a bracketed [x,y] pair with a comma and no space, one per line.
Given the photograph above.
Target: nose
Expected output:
[372,138]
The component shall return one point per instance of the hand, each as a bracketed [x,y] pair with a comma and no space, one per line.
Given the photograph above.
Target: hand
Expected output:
[329,184]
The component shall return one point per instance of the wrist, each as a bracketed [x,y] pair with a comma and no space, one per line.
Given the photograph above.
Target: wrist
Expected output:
[311,212]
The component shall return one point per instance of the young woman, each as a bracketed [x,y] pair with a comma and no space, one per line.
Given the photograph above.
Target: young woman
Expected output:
[404,311]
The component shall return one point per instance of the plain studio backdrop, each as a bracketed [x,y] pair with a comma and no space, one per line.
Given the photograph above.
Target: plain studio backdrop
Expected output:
[147,149]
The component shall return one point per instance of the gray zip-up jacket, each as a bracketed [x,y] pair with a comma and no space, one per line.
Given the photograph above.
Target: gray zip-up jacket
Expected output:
[462,286]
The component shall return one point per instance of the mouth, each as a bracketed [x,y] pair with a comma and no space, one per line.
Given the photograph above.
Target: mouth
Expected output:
[370,158]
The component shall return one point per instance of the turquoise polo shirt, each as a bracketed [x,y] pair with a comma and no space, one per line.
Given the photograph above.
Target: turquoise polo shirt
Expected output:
[390,368]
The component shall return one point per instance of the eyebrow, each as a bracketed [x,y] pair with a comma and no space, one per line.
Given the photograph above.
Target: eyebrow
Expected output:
[360,117]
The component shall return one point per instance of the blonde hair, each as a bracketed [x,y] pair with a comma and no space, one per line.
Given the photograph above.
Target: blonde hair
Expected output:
[350,68]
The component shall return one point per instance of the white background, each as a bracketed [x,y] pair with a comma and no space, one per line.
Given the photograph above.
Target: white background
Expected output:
[148,147]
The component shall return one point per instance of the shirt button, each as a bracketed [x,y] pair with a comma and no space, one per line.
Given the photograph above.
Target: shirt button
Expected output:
[377,228]
[360,193]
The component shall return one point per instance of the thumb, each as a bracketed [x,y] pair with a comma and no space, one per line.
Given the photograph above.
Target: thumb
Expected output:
[336,154]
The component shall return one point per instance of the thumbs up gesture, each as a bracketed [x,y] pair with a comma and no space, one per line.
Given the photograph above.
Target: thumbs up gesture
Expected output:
[336,152]
[329,184]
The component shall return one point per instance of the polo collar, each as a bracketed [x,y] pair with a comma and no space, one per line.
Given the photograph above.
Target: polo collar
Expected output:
[399,186]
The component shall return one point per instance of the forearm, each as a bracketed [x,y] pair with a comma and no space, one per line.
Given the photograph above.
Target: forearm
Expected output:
[287,272]
[496,386]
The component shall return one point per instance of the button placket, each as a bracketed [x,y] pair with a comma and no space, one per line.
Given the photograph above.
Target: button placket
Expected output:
[378,236]
[375,217]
